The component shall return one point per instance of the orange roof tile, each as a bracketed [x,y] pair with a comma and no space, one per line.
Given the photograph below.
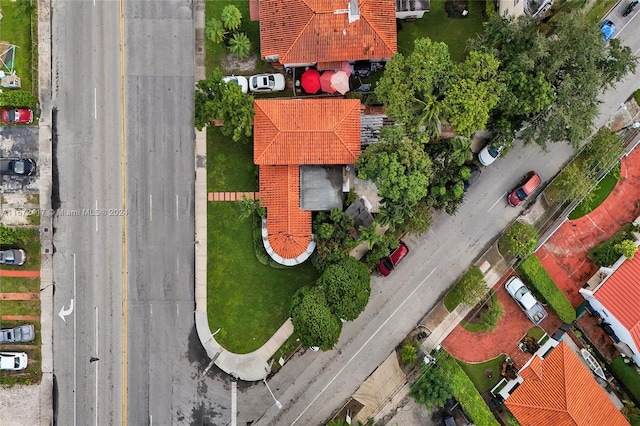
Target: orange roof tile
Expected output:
[562,392]
[620,294]
[309,31]
[306,131]
[289,227]
[293,132]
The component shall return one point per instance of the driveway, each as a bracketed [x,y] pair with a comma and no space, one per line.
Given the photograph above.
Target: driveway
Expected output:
[472,347]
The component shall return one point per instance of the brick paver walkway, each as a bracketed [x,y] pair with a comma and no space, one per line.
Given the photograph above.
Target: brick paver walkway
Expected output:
[232,196]
[20,317]
[18,273]
[19,296]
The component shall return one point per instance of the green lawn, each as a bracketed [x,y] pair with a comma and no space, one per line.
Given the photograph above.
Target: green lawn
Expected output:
[627,375]
[215,53]
[600,193]
[477,373]
[19,285]
[20,307]
[438,27]
[247,300]
[15,28]
[31,248]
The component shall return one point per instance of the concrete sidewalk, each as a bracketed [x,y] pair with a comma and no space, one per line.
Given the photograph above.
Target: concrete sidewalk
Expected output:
[252,366]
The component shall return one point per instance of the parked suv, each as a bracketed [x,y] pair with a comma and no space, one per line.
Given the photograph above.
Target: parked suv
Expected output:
[12,257]
[17,166]
[525,187]
[389,263]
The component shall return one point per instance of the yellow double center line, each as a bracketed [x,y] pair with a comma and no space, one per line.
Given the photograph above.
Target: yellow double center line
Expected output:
[123,172]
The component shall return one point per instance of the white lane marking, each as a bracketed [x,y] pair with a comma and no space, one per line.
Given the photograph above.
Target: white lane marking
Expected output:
[177,309]
[97,214]
[150,208]
[95,98]
[234,405]
[362,347]
[177,212]
[96,366]
[151,309]
[625,25]
[74,346]
[497,201]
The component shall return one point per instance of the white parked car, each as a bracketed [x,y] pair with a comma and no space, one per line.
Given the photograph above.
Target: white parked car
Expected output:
[264,83]
[13,360]
[239,80]
[521,294]
[489,154]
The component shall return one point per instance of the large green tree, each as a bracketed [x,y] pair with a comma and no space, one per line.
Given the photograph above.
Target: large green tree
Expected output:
[398,165]
[347,286]
[312,319]
[215,99]
[472,91]
[433,387]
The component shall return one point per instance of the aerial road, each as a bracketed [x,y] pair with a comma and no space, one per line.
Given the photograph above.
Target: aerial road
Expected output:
[125,348]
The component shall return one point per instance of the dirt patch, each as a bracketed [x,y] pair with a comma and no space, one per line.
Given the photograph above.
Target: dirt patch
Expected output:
[233,64]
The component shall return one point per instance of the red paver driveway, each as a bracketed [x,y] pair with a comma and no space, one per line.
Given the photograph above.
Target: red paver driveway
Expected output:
[468,346]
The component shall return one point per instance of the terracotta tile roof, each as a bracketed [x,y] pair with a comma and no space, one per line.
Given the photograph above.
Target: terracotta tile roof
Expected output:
[562,392]
[306,131]
[289,228]
[308,31]
[289,133]
[620,294]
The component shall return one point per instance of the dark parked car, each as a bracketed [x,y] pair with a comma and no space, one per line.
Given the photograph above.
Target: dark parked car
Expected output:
[19,334]
[475,174]
[525,187]
[12,257]
[17,115]
[389,263]
[17,166]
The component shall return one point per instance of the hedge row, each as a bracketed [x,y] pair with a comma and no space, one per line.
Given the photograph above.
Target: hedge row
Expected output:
[533,273]
[605,253]
[466,393]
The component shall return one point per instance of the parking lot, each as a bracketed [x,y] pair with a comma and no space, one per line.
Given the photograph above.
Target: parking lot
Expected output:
[19,141]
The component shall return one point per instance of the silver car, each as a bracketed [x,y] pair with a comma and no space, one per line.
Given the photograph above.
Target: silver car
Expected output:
[12,257]
[19,334]
[264,83]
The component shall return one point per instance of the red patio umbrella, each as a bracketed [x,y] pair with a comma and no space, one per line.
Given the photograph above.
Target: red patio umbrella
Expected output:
[325,82]
[340,82]
[310,81]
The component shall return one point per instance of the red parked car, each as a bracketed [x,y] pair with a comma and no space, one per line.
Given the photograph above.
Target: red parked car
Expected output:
[389,263]
[527,185]
[17,115]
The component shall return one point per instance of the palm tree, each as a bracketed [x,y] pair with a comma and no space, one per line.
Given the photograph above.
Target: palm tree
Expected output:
[240,45]
[369,235]
[427,111]
[215,30]
[460,150]
[231,17]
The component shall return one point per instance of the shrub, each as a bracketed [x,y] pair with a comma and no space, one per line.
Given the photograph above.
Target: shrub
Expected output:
[466,393]
[533,273]
[231,17]
[433,387]
[626,248]
[408,353]
[18,98]
[605,254]
[13,236]
[636,96]
[520,239]
[489,318]
[240,45]
[470,289]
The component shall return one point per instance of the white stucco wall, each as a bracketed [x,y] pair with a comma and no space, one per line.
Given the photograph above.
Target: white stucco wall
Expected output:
[621,331]
[511,7]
